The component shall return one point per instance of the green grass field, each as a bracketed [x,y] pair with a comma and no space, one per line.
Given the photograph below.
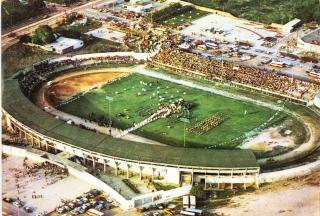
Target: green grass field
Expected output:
[184,18]
[128,108]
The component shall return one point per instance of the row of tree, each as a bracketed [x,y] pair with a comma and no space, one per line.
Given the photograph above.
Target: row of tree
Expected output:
[13,11]
[267,11]
[43,35]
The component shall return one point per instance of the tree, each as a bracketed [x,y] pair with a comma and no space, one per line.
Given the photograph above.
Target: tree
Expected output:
[44,34]
[13,11]
[198,191]
[38,4]
[25,38]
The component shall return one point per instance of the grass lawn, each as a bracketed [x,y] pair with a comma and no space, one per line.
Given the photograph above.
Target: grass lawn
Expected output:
[184,18]
[90,25]
[129,108]
[100,45]
[19,56]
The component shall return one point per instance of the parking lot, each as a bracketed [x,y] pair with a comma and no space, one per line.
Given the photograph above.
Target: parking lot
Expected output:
[31,186]
[229,29]
[226,38]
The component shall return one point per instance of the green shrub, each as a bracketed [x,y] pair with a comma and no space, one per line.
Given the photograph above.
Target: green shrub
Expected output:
[198,191]
[167,12]
[44,35]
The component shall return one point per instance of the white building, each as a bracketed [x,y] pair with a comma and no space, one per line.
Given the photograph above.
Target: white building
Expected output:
[291,26]
[140,8]
[107,34]
[140,2]
[317,100]
[63,45]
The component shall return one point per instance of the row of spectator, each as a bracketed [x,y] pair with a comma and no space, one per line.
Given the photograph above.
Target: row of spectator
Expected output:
[44,70]
[240,74]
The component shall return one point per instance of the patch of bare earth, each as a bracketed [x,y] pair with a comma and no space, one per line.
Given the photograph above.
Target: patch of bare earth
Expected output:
[299,196]
[66,87]
[268,140]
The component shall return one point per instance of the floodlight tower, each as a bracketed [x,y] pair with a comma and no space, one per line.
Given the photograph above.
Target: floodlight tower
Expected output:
[109,99]
[184,120]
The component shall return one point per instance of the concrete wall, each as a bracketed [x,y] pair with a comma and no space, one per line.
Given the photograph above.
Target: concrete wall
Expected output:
[290,173]
[20,152]
[224,179]
[316,101]
[139,201]
[160,196]
[308,46]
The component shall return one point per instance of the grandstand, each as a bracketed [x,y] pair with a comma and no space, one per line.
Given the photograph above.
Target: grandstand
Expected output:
[175,165]
[267,81]
[317,100]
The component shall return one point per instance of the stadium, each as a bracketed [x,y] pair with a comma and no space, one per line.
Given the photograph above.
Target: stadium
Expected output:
[171,115]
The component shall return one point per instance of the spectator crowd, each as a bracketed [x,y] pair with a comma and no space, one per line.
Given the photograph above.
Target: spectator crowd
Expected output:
[237,74]
[44,70]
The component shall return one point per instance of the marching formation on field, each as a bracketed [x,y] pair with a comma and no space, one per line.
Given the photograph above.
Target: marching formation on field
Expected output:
[207,124]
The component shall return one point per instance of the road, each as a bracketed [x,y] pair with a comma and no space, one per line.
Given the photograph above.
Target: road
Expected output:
[51,21]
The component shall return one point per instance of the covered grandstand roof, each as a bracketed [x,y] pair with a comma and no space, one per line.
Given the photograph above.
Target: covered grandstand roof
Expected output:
[17,105]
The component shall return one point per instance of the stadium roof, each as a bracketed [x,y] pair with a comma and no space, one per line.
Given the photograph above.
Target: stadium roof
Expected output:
[19,106]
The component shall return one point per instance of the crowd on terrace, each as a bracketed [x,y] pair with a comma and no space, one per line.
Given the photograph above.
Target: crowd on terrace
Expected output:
[238,74]
[45,69]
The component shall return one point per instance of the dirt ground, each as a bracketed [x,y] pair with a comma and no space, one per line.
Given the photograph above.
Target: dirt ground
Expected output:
[65,87]
[268,140]
[50,189]
[297,197]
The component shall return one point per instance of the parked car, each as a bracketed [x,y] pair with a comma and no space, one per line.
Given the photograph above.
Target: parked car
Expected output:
[75,211]
[99,207]
[265,61]
[7,199]
[82,210]
[115,204]
[72,205]
[61,210]
[84,199]
[95,192]
[17,203]
[103,202]
[28,209]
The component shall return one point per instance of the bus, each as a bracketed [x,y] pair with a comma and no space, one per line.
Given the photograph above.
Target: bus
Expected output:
[277,64]
[186,213]
[194,210]
[314,73]
[95,212]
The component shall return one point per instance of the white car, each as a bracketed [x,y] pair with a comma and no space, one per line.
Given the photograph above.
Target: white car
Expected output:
[17,204]
[115,204]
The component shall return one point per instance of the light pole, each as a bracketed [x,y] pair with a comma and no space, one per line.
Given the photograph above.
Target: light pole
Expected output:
[184,120]
[109,99]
